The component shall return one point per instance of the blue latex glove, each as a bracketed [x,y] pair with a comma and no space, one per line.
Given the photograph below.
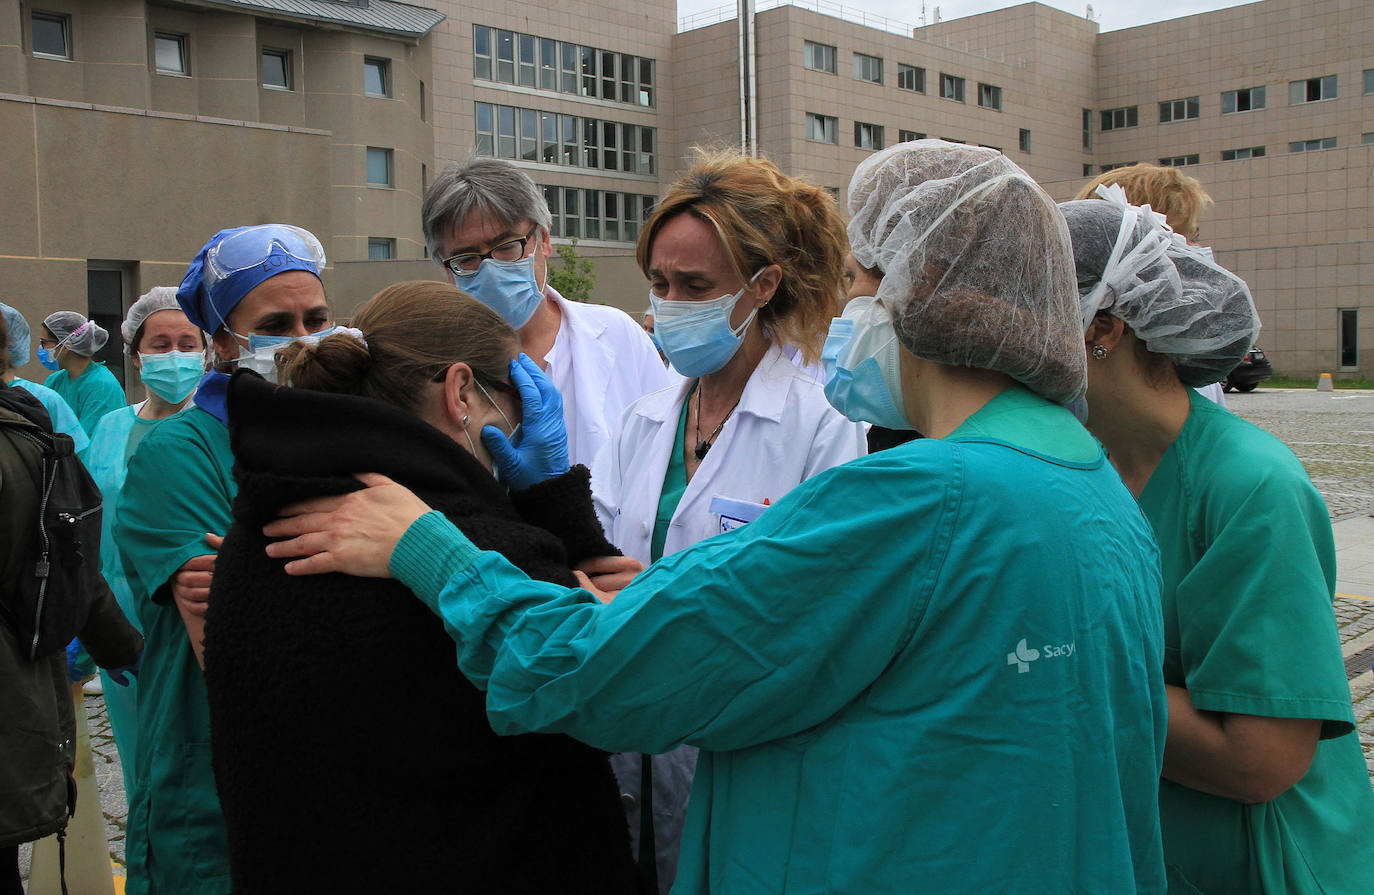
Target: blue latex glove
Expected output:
[125,674]
[543,450]
[75,673]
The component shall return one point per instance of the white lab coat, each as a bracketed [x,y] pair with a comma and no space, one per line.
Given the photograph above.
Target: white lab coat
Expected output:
[601,361]
[782,433]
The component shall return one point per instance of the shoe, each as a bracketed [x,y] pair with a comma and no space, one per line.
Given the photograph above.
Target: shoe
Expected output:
[93,687]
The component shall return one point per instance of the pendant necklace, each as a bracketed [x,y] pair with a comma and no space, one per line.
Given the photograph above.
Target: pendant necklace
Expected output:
[704,446]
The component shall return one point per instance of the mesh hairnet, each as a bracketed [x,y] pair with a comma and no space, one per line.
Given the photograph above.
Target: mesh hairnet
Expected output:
[159,298]
[76,333]
[976,262]
[19,342]
[1175,299]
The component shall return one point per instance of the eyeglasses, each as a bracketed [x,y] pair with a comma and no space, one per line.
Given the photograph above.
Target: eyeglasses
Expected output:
[466,265]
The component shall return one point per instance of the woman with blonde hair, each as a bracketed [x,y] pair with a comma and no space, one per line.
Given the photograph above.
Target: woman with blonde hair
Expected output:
[350,754]
[744,266]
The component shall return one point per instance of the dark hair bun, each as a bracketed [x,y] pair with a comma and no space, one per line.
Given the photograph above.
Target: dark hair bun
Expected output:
[337,363]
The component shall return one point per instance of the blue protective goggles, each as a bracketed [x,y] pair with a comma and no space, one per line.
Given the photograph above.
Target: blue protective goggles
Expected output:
[255,245]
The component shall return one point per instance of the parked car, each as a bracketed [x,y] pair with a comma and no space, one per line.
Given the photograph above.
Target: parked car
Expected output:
[1251,372]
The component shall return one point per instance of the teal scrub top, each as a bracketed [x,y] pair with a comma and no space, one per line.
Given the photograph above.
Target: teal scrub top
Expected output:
[93,394]
[1249,571]
[674,486]
[112,444]
[59,411]
[178,487]
[911,674]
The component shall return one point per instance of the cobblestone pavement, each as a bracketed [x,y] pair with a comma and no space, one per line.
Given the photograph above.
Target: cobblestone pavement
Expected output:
[1331,432]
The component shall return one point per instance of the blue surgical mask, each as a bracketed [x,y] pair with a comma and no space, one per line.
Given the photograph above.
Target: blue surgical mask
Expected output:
[261,357]
[172,375]
[696,336]
[47,358]
[862,359]
[507,287]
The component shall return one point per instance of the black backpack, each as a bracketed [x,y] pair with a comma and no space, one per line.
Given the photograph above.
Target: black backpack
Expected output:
[50,603]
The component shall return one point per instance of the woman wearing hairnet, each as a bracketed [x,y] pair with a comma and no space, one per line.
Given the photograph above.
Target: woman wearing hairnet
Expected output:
[1265,787]
[952,643]
[167,351]
[66,345]
[16,354]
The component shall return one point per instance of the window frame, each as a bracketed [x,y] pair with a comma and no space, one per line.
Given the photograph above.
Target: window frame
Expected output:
[381,242]
[994,95]
[1341,346]
[1130,117]
[1234,155]
[482,59]
[389,157]
[874,133]
[829,57]
[1233,99]
[383,67]
[183,51]
[1368,81]
[1305,85]
[1190,106]
[918,77]
[870,65]
[62,20]
[829,128]
[1023,140]
[1180,161]
[951,87]
[287,66]
[908,136]
[1306,145]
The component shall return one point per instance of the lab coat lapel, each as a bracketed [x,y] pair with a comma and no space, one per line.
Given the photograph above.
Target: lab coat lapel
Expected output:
[649,465]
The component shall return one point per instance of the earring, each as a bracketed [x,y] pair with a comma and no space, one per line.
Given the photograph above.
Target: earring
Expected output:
[1100,352]
[465,421]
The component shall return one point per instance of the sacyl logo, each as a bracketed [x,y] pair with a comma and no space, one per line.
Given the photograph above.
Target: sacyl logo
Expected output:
[1023,655]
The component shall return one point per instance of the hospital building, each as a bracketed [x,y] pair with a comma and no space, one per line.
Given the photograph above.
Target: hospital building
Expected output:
[133,130]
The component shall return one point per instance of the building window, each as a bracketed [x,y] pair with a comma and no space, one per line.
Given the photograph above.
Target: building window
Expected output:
[868,68]
[819,57]
[481,52]
[539,63]
[169,54]
[596,214]
[276,69]
[822,128]
[1025,140]
[1369,80]
[548,64]
[868,136]
[422,101]
[646,82]
[529,135]
[525,67]
[1247,100]
[990,97]
[909,77]
[1312,90]
[376,76]
[1088,131]
[951,87]
[1179,110]
[1087,170]
[1349,337]
[505,132]
[1312,145]
[1115,119]
[1115,165]
[571,140]
[52,35]
[379,248]
[379,167]
[424,177]
[993,148]
[505,56]
[1231,155]
[904,136]
[1178,161]
[1367,138]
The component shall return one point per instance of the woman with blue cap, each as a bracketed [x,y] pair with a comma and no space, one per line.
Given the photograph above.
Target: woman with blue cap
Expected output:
[16,354]
[953,643]
[167,352]
[1265,785]
[254,289]
[66,346]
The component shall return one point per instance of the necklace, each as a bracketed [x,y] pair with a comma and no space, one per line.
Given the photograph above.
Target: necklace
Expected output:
[704,446]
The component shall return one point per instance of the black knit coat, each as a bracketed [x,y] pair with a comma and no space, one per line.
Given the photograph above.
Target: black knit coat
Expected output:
[350,753]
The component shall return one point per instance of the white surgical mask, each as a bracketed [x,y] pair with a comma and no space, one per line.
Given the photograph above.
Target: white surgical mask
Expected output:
[261,356]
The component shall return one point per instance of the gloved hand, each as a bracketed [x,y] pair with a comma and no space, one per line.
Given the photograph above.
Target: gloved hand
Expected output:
[543,450]
[125,674]
[79,664]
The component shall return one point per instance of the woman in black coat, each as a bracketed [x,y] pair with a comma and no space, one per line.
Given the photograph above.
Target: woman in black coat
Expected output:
[350,754]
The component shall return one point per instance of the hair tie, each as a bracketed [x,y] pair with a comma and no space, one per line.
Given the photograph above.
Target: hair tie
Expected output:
[355,333]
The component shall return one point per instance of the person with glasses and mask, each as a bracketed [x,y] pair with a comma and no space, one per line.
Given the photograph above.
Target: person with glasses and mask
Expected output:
[391,754]
[487,225]
[254,290]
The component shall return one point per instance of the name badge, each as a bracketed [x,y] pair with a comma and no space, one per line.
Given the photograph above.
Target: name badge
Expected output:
[734,513]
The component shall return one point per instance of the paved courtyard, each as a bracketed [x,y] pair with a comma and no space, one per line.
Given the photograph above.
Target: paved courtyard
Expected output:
[1332,433]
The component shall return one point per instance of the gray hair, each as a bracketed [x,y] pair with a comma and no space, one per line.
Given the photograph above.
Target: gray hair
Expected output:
[485,185]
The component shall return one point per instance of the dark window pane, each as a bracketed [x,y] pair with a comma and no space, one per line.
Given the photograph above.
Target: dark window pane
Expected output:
[50,35]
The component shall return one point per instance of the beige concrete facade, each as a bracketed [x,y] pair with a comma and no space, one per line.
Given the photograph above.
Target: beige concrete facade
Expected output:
[115,163]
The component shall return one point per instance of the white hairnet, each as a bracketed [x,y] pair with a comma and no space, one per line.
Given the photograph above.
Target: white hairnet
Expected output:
[1175,299]
[976,262]
[19,341]
[159,298]
[85,337]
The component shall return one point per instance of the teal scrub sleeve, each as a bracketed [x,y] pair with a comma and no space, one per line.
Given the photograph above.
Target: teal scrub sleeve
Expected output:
[1259,636]
[747,637]
[173,495]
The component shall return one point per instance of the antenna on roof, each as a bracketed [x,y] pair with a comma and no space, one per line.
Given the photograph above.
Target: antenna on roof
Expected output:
[1091,15]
